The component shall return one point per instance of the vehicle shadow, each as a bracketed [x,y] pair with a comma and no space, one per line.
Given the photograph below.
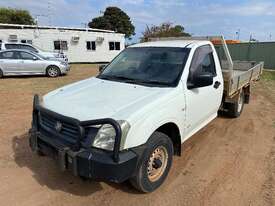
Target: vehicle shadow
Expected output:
[46,172]
[23,76]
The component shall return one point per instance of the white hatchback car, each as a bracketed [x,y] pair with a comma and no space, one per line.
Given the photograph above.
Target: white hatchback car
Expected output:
[22,62]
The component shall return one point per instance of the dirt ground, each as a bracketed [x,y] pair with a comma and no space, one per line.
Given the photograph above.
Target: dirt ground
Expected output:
[230,162]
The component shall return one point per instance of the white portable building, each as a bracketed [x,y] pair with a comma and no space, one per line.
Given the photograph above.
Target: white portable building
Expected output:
[81,45]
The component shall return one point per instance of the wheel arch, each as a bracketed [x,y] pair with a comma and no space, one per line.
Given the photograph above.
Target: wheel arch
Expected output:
[52,65]
[171,129]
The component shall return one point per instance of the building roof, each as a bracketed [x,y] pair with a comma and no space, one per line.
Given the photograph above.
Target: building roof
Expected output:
[19,26]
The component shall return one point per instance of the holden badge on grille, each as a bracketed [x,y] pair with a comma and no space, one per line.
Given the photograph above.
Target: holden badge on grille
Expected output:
[58,126]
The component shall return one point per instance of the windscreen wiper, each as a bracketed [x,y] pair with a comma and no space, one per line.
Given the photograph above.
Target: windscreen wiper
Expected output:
[156,82]
[134,81]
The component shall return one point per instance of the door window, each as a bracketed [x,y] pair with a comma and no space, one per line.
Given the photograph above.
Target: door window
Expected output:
[203,62]
[26,56]
[7,55]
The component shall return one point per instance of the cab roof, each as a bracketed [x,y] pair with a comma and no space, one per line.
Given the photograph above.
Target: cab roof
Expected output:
[173,43]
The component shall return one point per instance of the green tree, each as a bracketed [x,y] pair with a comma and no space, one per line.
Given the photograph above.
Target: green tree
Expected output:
[163,30]
[15,16]
[114,19]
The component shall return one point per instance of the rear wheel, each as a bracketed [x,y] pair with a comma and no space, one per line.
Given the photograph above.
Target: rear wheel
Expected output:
[1,73]
[235,109]
[155,163]
[53,71]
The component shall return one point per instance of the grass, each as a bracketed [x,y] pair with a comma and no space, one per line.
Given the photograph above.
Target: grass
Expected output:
[268,75]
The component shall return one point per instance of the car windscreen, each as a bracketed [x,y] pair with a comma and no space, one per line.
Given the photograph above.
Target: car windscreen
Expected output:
[160,66]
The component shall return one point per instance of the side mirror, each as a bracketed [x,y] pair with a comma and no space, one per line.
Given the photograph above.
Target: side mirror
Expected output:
[201,80]
[34,58]
[101,68]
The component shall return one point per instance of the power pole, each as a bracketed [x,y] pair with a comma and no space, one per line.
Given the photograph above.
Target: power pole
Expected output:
[238,33]
[49,12]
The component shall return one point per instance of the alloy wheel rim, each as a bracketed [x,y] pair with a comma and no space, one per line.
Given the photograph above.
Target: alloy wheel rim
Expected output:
[52,72]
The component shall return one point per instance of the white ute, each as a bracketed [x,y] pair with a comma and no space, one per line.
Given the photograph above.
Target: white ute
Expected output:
[129,121]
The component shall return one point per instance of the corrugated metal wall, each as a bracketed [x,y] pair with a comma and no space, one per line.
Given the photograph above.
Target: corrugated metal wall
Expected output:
[258,51]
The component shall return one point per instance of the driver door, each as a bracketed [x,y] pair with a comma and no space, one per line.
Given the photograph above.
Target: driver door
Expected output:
[30,63]
[203,103]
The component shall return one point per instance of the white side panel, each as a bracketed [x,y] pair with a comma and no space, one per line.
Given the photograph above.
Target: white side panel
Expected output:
[77,52]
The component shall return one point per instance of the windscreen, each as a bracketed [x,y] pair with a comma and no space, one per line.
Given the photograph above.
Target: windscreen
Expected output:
[150,65]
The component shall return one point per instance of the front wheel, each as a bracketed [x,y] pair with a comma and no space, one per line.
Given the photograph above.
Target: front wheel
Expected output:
[155,163]
[53,71]
[1,73]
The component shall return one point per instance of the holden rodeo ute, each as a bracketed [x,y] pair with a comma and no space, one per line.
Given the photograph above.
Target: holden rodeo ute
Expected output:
[129,121]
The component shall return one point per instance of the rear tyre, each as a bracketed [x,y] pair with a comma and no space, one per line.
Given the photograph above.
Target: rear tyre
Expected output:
[53,71]
[155,163]
[235,109]
[1,73]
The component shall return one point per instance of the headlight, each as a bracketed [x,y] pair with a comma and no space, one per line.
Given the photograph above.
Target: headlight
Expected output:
[105,138]
[64,63]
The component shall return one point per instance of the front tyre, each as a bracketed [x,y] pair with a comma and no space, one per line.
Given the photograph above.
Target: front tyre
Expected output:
[155,163]
[1,73]
[53,71]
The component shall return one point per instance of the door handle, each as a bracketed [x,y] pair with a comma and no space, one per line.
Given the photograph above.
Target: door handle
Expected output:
[217,84]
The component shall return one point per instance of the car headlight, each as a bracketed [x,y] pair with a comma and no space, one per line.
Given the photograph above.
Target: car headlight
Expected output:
[64,63]
[105,137]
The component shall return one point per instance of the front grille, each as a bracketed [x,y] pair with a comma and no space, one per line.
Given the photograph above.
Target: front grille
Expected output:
[67,130]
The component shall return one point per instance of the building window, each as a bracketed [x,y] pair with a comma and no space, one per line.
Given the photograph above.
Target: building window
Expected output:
[60,45]
[91,45]
[114,45]
[26,41]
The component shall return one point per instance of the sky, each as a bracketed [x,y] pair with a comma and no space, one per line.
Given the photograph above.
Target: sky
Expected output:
[199,17]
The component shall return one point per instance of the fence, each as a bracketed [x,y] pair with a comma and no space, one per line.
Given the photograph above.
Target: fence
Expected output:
[255,51]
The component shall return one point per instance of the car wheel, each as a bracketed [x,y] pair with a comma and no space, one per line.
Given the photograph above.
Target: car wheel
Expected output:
[154,164]
[235,109]
[53,71]
[1,73]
